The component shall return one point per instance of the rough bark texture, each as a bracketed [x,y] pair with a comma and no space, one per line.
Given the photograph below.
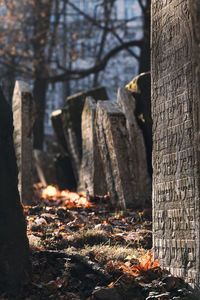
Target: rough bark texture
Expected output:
[14,248]
[23,113]
[137,151]
[91,177]
[71,119]
[113,143]
[175,114]
[39,92]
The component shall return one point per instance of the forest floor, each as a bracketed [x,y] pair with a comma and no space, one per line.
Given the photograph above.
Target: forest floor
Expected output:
[84,249]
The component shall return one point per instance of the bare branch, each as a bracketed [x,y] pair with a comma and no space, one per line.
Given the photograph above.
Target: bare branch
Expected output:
[140,2]
[106,28]
[81,73]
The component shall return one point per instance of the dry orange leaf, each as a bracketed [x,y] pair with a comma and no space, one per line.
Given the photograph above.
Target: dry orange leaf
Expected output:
[146,263]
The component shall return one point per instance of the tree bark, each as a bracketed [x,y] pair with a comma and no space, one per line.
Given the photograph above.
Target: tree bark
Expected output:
[145,54]
[39,92]
[41,27]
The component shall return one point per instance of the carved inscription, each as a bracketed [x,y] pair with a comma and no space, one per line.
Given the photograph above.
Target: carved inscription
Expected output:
[178,252]
[179,136]
[175,117]
[173,111]
[173,219]
[175,191]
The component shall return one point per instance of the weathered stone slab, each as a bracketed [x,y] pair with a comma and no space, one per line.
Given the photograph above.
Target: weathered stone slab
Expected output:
[175,114]
[56,119]
[71,120]
[113,143]
[137,151]
[23,113]
[64,173]
[14,248]
[91,177]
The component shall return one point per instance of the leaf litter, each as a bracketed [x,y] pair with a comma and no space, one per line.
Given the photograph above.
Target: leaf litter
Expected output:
[81,248]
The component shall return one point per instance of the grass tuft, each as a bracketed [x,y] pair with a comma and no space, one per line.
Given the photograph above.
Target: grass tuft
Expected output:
[88,237]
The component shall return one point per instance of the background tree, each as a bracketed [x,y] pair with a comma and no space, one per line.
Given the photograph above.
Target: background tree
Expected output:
[145,54]
[44,41]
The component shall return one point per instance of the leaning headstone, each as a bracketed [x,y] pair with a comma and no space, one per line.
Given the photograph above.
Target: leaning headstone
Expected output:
[71,120]
[14,247]
[56,119]
[138,163]
[175,114]
[113,143]
[91,176]
[63,163]
[23,113]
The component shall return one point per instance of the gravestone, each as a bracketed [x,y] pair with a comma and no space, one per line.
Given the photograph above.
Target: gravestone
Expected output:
[113,143]
[91,176]
[71,122]
[14,247]
[23,113]
[62,161]
[137,151]
[175,113]
[56,119]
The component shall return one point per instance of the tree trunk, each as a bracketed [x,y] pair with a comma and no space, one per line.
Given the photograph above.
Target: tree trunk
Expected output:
[145,54]
[39,92]
[39,41]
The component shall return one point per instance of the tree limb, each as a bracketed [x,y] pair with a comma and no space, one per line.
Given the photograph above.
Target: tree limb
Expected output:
[141,6]
[99,66]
